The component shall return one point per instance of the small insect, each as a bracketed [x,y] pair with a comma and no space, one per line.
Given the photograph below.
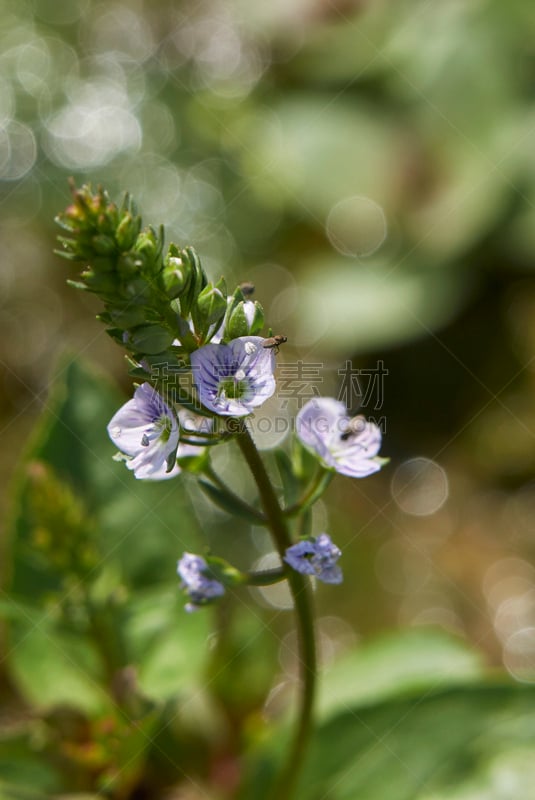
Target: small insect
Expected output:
[274,342]
[354,427]
[247,289]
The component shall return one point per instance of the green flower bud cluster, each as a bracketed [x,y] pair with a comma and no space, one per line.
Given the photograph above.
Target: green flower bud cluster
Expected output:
[158,304]
[122,265]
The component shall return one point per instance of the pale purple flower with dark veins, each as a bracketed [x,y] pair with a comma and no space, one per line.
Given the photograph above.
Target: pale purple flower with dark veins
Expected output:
[316,556]
[348,445]
[233,379]
[198,585]
[146,430]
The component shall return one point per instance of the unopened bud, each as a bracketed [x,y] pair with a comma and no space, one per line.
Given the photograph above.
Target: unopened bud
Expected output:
[127,231]
[210,307]
[246,319]
[177,274]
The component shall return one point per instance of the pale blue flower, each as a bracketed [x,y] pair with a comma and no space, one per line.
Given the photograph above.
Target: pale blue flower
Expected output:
[146,430]
[233,379]
[349,446]
[196,581]
[316,556]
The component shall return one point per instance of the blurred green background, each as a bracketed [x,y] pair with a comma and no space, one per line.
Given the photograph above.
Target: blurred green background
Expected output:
[370,166]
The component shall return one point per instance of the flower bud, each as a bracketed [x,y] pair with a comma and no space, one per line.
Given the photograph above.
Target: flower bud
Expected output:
[127,231]
[209,308]
[149,247]
[103,245]
[128,265]
[198,281]
[177,274]
[246,319]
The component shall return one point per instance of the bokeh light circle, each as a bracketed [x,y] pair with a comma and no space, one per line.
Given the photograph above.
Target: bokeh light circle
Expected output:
[356,226]
[18,151]
[278,595]
[519,655]
[401,570]
[420,487]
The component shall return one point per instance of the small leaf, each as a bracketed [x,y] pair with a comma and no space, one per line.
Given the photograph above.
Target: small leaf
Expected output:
[291,484]
[231,504]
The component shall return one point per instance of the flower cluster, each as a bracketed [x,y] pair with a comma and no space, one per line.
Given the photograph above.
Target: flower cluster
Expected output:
[175,323]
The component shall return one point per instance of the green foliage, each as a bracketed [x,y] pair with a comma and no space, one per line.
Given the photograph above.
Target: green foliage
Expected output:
[134,526]
[419,747]
[101,651]
[91,628]
[409,716]
[418,660]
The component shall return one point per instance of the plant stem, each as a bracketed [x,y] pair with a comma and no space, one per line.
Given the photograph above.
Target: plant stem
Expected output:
[313,493]
[302,597]
[267,577]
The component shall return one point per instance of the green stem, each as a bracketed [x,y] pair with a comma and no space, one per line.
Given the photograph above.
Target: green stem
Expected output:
[313,493]
[197,443]
[265,578]
[302,597]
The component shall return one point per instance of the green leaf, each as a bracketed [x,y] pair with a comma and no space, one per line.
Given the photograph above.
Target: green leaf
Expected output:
[53,667]
[150,339]
[291,484]
[21,767]
[376,305]
[229,503]
[419,748]
[168,644]
[394,664]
